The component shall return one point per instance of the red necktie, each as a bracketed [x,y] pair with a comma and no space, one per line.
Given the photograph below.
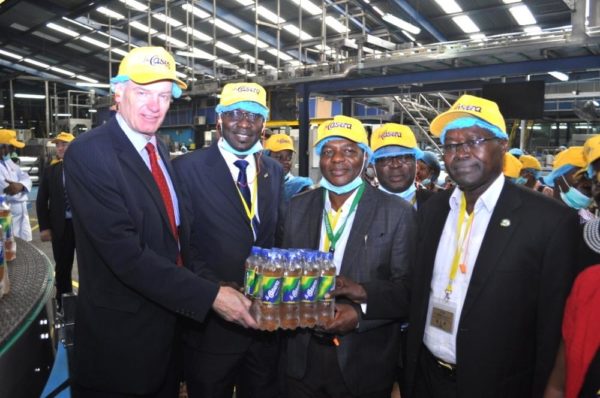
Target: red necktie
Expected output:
[163,187]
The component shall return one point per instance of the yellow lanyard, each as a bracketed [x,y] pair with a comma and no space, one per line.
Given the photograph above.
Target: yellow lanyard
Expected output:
[253,198]
[333,222]
[460,241]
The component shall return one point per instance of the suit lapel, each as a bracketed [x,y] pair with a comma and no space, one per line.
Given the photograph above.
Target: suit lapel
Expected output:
[363,219]
[504,221]
[222,180]
[131,159]
[431,226]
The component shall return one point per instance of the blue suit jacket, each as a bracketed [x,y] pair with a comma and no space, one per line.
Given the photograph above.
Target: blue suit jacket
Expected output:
[221,237]
[130,289]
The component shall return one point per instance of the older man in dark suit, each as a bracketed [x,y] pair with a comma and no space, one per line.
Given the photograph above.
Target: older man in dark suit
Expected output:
[55,218]
[234,193]
[487,305]
[132,240]
[372,235]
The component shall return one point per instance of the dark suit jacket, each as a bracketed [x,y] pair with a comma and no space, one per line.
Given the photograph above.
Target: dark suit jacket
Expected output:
[510,324]
[379,253]
[130,288]
[221,236]
[50,201]
[423,195]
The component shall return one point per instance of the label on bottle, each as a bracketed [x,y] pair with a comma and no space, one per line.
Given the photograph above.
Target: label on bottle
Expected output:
[270,289]
[250,281]
[308,288]
[326,285]
[290,291]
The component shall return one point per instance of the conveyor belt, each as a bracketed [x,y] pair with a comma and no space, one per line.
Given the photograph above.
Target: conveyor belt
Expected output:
[31,281]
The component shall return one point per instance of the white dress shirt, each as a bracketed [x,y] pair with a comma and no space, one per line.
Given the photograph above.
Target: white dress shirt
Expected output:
[251,175]
[139,142]
[440,343]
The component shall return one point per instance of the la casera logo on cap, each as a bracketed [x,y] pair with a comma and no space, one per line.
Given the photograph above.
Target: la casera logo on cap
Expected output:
[469,108]
[282,141]
[246,89]
[343,125]
[390,134]
[158,60]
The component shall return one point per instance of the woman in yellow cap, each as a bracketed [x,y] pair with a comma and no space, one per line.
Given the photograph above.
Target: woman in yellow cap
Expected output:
[281,148]
[531,171]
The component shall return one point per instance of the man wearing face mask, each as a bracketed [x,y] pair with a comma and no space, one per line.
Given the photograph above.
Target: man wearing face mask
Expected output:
[372,236]
[15,184]
[531,173]
[281,148]
[234,194]
[428,171]
[571,185]
[395,156]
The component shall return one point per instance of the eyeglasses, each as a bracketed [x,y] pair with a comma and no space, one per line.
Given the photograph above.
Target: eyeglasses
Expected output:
[281,158]
[237,115]
[401,159]
[466,145]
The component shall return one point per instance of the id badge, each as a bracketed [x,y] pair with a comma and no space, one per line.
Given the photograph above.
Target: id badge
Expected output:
[442,315]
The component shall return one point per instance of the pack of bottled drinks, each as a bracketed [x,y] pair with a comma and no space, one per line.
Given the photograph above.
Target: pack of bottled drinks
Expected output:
[8,246]
[289,288]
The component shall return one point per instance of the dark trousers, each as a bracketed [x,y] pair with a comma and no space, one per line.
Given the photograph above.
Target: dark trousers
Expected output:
[63,249]
[323,377]
[433,380]
[253,373]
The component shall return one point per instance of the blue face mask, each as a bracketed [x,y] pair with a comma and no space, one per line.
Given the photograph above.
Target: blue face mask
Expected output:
[575,199]
[520,180]
[6,157]
[349,187]
[426,181]
[223,144]
[406,195]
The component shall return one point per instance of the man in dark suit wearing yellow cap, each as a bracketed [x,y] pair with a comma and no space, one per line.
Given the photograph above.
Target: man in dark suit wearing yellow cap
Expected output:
[233,192]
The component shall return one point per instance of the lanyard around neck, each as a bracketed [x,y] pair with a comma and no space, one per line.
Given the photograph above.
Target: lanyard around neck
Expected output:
[331,239]
[461,238]
[250,212]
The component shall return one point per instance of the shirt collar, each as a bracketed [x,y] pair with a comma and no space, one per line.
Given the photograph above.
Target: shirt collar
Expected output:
[230,158]
[488,199]
[138,140]
[347,204]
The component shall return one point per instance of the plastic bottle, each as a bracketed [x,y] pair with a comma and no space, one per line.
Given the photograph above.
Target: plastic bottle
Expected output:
[270,292]
[260,261]
[309,284]
[326,306]
[290,291]
[10,245]
[4,282]
[250,272]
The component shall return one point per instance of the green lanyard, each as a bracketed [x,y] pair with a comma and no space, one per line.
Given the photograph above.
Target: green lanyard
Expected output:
[333,238]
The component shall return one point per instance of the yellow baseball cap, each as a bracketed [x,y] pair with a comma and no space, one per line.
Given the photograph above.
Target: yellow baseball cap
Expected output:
[512,166]
[9,137]
[144,65]
[393,139]
[591,149]
[564,162]
[279,142]
[469,105]
[530,162]
[64,137]
[250,97]
[343,127]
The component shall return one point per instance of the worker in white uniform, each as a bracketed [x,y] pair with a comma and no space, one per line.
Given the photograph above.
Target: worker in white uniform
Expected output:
[15,184]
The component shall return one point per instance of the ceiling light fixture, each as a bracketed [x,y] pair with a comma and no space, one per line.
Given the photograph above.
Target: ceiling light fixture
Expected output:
[135,5]
[563,77]
[465,23]
[402,24]
[196,11]
[522,15]
[309,6]
[29,96]
[168,20]
[110,13]
[449,6]
[61,29]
